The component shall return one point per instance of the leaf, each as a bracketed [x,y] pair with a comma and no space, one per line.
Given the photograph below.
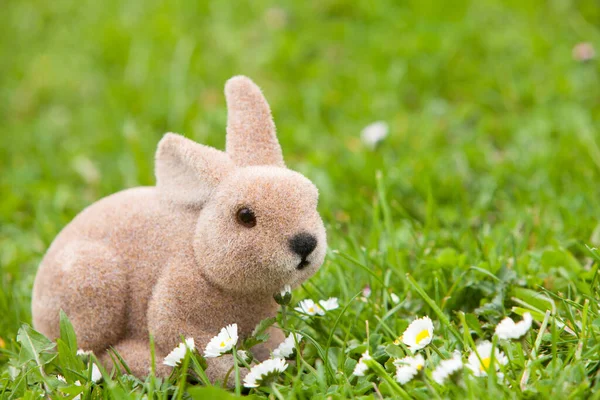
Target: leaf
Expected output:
[67,333]
[199,365]
[349,365]
[474,324]
[116,355]
[33,344]
[213,393]
[333,355]
[394,351]
[263,326]
[255,340]
[68,361]
[536,299]
[560,257]
[72,390]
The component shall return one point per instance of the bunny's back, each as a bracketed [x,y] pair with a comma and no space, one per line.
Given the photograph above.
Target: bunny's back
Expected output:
[141,235]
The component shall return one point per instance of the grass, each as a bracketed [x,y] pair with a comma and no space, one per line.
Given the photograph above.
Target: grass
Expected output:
[481,203]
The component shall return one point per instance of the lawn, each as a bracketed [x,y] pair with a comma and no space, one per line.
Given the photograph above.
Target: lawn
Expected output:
[481,203]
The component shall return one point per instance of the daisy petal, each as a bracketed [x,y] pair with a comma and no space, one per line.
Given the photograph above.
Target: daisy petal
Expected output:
[263,373]
[481,365]
[418,334]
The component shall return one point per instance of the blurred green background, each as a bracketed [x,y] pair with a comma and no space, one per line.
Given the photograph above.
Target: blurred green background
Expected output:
[493,147]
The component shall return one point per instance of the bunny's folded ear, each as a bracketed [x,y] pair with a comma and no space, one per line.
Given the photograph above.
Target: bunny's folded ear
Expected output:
[251,138]
[187,172]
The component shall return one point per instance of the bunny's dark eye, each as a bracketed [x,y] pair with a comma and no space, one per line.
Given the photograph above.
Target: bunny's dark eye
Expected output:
[246,217]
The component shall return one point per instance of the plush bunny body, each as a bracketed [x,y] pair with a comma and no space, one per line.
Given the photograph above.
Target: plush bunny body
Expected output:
[209,245]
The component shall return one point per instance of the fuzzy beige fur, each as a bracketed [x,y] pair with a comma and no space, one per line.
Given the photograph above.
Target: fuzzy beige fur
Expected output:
[174,259]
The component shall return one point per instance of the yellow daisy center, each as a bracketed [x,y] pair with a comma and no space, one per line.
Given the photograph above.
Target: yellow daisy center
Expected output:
[419,367]
[311,310]
[485,363]
[222,344]
[424,334]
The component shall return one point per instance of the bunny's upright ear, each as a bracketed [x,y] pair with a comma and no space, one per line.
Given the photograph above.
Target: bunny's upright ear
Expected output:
[187,172]
[251,138]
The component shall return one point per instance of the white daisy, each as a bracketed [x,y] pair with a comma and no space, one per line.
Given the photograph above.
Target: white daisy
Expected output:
[361,367]
[418,334]
[286,348]
[96,374]
[508,329]
[395,298]
[484,349]
[447,367]
[223,342]
[408,367]
[178,353]
[82,352]
[309,307]
[264,372]
[374,133]
[329,304]
[61,378]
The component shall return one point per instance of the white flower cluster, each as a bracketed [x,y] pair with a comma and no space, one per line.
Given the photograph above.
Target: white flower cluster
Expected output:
[263,373]
[226,340]
[419,334]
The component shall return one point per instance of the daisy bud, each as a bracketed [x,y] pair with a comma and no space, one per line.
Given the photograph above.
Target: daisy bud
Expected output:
[284,297]
[583,52]
[244,355]
[366,292]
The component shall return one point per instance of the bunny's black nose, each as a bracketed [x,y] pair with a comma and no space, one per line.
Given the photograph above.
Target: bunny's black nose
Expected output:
[303,244]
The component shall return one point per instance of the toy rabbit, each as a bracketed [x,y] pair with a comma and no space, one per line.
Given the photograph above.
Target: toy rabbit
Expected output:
[209,245]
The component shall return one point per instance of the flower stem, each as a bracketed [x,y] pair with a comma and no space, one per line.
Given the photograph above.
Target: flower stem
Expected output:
[434,347]
[534,350]
[276,392]
[200,371]
[238,389]
[375,366]
[283,316]
[183,376]
[245,363]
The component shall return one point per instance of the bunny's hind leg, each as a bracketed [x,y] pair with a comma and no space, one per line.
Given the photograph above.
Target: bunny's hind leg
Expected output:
[87,280]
